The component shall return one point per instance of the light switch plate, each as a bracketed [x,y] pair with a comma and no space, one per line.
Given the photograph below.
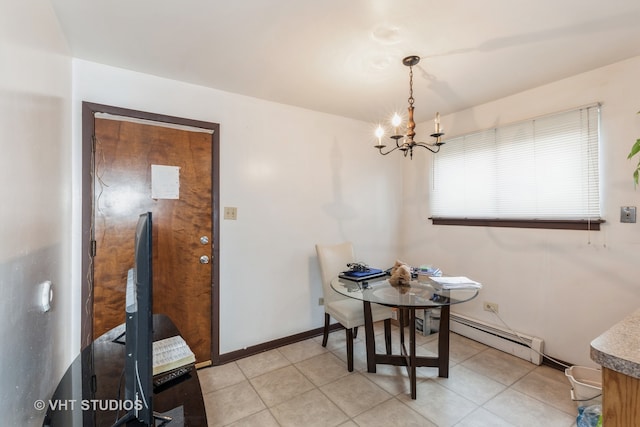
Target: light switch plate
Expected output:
[628,214]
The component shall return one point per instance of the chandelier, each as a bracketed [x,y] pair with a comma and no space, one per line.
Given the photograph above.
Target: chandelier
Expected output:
[408,144]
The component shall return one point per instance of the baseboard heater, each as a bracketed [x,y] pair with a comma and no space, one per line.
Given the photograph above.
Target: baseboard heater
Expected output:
[521,345]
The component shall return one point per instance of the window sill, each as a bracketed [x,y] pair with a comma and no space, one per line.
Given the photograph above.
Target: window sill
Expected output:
[565,224]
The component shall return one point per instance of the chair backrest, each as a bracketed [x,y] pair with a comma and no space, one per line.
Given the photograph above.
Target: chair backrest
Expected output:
[333,260]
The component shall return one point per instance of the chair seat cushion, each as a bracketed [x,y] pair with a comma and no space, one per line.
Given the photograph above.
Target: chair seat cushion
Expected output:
[350,312]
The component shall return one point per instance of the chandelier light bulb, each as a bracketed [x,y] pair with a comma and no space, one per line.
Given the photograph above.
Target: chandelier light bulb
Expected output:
[395,122]
[379,134]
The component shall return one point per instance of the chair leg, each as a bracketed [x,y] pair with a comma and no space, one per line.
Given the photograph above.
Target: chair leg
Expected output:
[349,349]
[387,335]
[325,336]
[355,332]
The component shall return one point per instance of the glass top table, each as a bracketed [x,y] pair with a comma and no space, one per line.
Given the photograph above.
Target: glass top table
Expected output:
[423,294]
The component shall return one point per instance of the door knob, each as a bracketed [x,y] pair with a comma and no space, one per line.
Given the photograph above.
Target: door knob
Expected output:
[204,259]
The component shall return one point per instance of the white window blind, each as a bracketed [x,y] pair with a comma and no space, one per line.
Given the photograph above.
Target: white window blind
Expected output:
[546,168]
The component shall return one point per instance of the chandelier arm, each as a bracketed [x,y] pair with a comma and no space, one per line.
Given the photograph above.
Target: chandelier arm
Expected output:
[428,146]
[390,151]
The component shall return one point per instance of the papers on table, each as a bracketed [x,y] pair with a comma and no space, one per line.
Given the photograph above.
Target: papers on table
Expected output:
[459,282]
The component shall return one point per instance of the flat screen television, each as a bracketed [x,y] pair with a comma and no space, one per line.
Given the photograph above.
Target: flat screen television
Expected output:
[138,369]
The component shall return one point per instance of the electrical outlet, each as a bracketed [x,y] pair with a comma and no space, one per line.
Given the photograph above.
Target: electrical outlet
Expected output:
[490,306]
[628,214]
[320,301]
[230,213]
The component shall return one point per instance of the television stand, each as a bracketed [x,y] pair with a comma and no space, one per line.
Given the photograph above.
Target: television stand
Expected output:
[90,394]
[130,416]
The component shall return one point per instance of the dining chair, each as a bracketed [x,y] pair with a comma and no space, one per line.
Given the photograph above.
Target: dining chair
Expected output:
[349,312]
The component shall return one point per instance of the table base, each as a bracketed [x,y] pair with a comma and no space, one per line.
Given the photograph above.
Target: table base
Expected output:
[409,358]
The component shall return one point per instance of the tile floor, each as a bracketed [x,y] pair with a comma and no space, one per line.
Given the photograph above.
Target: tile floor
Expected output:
[307,385]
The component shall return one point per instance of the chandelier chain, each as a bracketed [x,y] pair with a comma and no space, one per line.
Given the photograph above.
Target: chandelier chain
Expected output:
[410,86]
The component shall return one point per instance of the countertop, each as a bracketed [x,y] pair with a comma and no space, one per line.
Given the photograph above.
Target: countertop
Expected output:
[619,347]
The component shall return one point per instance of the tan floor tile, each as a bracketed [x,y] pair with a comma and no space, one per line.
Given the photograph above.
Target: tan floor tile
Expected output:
[421,349]
[420,339]
[537,395]
[337,339]
[483,418]
[355,394]
[499,366]
[475,387]
[438,404]
[323,369]
[232,404]
[311,409]
[359,355]
[524,411]
[282,384]
[262,363]
[393,379]
[216,377]
[378,329]
[550,386]
[302,350]
[460,348]
[426,339]
[426,374]
[261,419]
[392,413]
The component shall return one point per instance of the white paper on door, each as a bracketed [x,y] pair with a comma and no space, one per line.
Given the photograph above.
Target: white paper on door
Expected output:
[165,182]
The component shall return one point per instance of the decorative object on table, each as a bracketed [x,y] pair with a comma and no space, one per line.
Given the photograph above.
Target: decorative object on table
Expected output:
[400,274]
[407,144]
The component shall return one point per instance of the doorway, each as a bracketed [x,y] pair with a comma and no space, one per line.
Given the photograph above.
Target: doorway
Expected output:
[134,162]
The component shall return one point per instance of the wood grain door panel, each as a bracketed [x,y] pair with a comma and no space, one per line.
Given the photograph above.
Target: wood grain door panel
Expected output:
[124,153]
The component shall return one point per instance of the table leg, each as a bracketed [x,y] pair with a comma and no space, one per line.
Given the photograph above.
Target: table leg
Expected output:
[402,319]
[412,352]
[443,342]
[349,336]
[387,335]
[370,337]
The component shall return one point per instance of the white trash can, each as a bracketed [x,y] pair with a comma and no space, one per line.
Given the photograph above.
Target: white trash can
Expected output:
[586,385]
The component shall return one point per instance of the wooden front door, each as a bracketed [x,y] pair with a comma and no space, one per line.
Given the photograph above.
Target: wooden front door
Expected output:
[125,154]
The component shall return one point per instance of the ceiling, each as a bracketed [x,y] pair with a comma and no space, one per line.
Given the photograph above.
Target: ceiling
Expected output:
[344,57]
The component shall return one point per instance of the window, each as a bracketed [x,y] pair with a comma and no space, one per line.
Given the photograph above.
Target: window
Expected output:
[536,173]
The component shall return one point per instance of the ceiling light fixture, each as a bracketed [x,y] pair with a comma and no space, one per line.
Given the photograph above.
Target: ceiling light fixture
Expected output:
[407,144]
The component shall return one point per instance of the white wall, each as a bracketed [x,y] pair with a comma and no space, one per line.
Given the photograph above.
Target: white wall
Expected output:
[35,212]
[297,178]
[566,287]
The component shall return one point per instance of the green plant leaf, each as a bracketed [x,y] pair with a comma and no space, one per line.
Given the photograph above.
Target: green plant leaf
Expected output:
[634,149]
